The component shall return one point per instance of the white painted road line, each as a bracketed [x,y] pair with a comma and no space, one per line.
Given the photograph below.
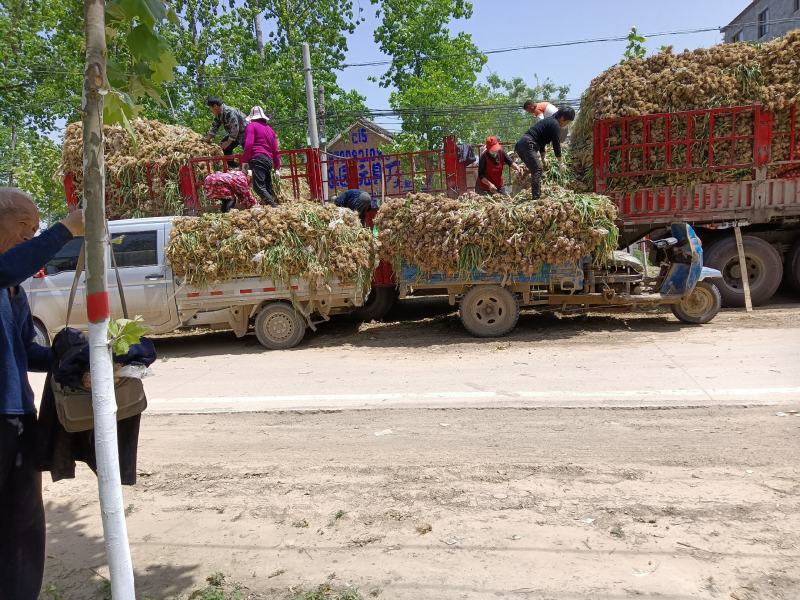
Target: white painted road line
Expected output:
[554,398]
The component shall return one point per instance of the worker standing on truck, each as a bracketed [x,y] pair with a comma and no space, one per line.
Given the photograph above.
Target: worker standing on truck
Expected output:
[540,110]
[232,120]
[532,145]
[355,200]
[490,169]
[261,154]
[22,541]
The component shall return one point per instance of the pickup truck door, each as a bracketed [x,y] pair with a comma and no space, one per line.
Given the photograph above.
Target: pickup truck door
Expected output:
[49,295]
[139,252]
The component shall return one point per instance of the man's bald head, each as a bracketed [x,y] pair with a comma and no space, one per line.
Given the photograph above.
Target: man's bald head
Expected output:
[19,217]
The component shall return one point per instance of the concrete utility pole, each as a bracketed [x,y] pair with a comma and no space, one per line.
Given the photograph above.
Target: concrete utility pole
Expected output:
[323,142]
[312,111]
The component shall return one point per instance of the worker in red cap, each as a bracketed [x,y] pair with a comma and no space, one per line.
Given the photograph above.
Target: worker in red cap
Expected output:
[490,169]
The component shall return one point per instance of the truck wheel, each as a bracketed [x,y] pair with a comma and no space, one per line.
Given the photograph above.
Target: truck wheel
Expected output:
[379,302]
[701,305]
[279,326]
[764,268]
[40,335]
[793,266]
[489,311]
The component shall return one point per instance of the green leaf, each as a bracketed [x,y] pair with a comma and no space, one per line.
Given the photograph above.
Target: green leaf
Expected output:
[148,12]
[124,333]
[117,105]
[115,73]
[164,69]
[144,44]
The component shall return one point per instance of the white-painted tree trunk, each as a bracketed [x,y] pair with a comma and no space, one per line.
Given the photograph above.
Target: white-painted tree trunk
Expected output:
[104,403]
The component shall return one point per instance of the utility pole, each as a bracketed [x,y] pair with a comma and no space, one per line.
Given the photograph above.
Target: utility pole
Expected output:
[323,142]
[104,405]
[312,111]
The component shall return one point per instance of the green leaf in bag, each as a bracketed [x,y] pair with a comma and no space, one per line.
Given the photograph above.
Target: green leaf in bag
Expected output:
[124,333]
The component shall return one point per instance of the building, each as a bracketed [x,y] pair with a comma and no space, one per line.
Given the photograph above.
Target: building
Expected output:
[763,20]
[362,141]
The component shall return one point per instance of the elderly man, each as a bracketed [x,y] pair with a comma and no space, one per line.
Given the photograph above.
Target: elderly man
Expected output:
[21,509]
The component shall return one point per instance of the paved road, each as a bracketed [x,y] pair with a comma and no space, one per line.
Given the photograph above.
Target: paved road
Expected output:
[424,358]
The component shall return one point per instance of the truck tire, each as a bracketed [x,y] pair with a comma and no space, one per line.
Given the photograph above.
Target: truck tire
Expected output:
[489,311]
[379,302]
[764,265]
[279,326]
[793,266]
[701,305]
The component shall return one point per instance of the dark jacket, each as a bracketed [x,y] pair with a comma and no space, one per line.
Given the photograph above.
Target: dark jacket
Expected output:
[546,131]
[232,121]
[56,449]
[354,200]
[18,353]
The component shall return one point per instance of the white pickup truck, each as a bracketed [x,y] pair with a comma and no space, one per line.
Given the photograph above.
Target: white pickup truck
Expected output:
[279,313]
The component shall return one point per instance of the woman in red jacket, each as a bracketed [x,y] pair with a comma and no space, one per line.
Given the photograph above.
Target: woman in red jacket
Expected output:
[490,169]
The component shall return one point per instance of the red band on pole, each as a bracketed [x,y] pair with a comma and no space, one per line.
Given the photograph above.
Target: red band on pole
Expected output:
[97,307]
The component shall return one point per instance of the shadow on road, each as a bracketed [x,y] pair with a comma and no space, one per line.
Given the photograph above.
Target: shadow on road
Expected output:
[74,557]
[423,323]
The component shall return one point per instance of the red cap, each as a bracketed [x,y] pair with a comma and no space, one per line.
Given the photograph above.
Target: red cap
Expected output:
[492,144]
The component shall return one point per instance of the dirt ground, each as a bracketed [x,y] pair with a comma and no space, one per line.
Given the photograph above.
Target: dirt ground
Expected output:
[454,503]
[534,497]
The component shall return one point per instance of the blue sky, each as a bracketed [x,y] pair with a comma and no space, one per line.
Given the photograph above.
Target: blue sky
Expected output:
[502,23]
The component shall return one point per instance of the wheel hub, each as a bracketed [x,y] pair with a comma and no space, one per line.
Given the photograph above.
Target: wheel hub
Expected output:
[279,327]
[732,273]
[699,302]
[488,309]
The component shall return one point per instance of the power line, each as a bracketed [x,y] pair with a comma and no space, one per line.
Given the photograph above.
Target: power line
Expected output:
[544,45]
[618,38]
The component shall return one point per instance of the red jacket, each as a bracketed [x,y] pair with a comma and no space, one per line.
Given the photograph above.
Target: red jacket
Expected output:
[491,170]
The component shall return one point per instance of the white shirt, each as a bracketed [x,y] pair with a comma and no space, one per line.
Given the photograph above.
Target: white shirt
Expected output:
[549,111]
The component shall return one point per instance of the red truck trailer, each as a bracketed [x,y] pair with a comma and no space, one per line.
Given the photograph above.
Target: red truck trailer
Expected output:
[750,159]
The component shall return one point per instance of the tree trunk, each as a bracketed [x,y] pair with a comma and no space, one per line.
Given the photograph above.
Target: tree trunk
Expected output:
[259,34]
[100,362]
[13,163]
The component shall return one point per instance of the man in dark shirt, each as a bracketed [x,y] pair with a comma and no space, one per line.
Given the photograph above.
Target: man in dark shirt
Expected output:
[232,120]
[22,528]
[531,146]
[355,200]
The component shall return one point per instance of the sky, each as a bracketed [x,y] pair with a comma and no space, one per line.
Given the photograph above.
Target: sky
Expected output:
[503,23]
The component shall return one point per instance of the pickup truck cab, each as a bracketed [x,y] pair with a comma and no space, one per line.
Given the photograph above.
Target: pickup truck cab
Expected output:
[279,312]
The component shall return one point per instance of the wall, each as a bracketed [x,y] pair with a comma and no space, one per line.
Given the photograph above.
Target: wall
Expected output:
[363,144]
[778,9]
